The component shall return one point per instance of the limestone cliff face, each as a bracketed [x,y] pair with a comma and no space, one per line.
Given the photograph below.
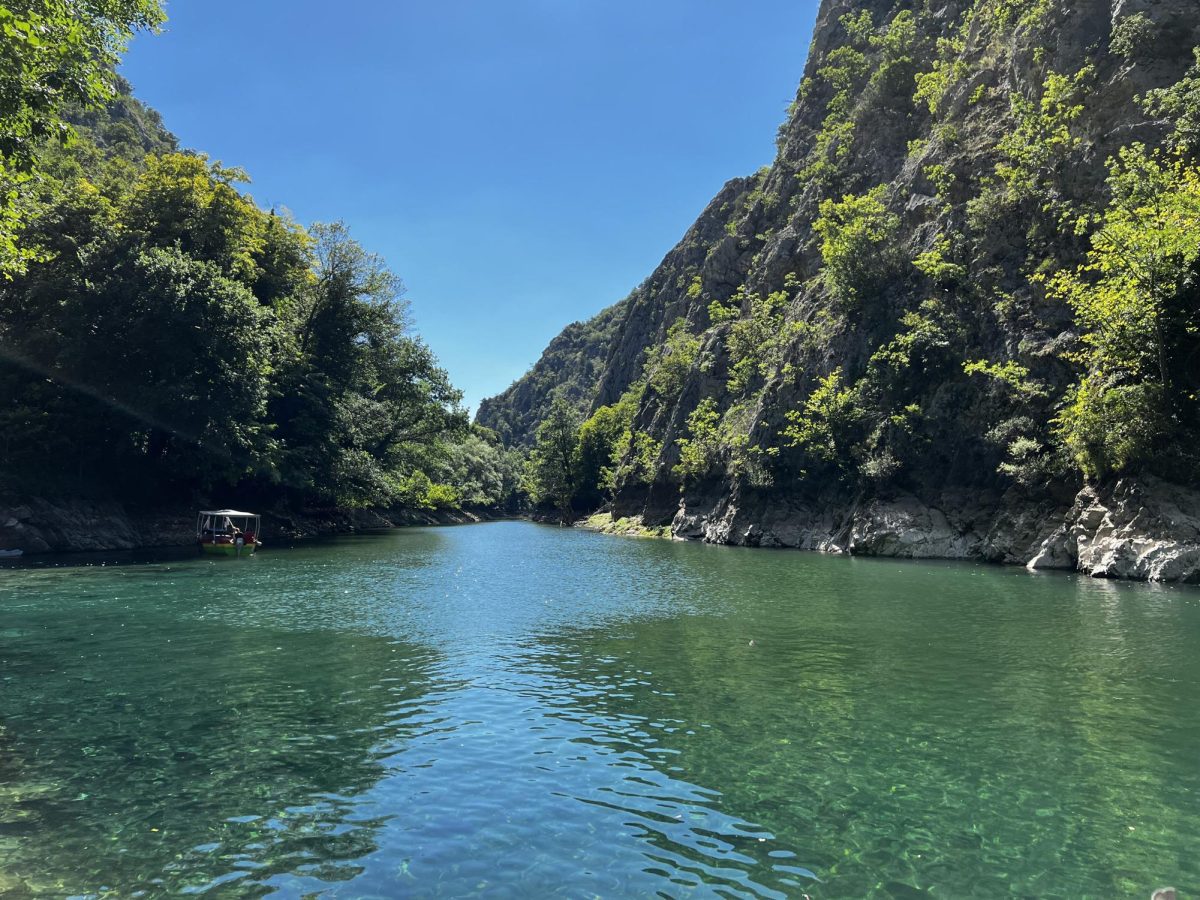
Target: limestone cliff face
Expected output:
[955,141]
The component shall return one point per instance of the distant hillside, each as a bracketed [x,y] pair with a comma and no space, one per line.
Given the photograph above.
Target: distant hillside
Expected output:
[571,367]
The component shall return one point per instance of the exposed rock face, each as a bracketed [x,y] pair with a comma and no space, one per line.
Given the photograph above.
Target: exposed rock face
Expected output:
[996,528]
[570,367]
[591,363]
[40,526]
[931,473]
[1146,530]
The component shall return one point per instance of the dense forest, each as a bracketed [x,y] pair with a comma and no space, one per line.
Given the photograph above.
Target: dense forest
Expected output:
[163,338]
[972,268]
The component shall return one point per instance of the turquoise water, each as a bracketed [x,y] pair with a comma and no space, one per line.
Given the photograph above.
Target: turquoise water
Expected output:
[517,710]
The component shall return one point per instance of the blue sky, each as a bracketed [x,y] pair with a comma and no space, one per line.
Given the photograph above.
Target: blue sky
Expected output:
[520,164]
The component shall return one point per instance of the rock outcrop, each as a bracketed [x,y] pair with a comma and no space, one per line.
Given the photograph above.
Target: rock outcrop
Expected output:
[1138,529]
[1145,530]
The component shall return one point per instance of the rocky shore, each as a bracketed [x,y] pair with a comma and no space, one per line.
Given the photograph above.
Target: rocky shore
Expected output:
[38,525]
[1137,529]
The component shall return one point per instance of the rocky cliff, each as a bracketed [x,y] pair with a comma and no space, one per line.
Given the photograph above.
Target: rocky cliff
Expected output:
[860,347]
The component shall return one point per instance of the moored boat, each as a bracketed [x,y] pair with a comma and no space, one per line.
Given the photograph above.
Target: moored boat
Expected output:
[228,532]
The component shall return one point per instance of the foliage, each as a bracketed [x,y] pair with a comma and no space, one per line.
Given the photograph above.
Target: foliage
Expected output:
[483,472]
[700,452]
[262,357]
[636,454]
[1131,35]
[922,341]
[1110,428]
[361,398]
[856,243]
[551,473]
[844,73]
[1011,374]
[1037,149]
[1180,103]
[828,424]
[599,438]
[756,341]
[936,264]
[879,61]
[53,54]
[1135,299]
[667,369]
[949,70]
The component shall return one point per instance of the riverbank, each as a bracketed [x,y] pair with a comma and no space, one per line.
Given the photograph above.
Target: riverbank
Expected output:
[1131,530]
[38,525]
[1142,529]
[604,523]
[1135,530]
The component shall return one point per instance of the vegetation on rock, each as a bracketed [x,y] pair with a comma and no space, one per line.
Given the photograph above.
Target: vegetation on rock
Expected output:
[973,264]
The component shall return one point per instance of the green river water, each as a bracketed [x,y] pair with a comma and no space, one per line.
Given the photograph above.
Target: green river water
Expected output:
[515,710]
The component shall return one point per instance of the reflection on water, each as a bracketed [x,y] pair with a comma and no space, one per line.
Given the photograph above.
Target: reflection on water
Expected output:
[515,710]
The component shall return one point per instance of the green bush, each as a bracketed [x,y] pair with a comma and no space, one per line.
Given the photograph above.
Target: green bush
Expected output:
[1110,430]
[856,234]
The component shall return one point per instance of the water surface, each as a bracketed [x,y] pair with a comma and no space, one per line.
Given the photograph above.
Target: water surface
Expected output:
[516,710]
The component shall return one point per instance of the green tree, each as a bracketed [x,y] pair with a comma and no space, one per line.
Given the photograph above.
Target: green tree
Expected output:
[54,54]
[362,401]
[856,243]
[701,451]
[187,405]
[599,438]
[1135,299]
[551,473]
[828,426]
[484,473]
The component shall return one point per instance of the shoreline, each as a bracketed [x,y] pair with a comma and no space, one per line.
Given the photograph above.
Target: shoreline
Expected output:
[1101,538]
[42,528]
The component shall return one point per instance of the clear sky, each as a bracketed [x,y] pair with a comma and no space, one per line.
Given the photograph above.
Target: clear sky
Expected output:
[520,164]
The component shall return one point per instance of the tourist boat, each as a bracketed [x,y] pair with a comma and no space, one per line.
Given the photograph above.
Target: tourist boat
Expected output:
[11,554]
[228,532]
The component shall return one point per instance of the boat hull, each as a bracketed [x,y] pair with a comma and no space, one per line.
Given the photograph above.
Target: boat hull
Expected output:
[228,549]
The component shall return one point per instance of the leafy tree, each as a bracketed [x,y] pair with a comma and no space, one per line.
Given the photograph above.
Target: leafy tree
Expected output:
[1135,299]
[361,399]
[701,451]
[856,243]
[53,54]
[599,438]
[666,371]
[828,425]
[551,474]
[1180,104]
[184,200]
[484,473]
[189,405]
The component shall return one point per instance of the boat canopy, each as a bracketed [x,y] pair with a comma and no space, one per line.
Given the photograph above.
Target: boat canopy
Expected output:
[224,512]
